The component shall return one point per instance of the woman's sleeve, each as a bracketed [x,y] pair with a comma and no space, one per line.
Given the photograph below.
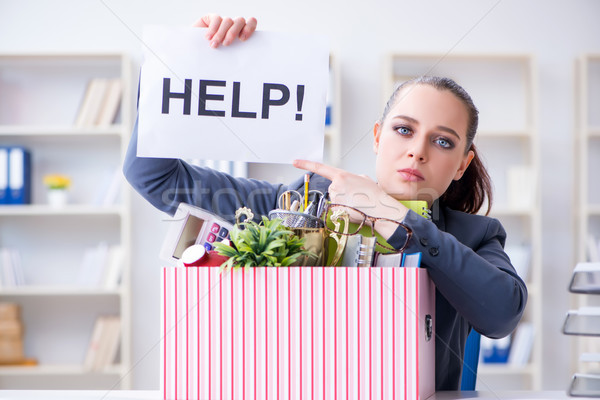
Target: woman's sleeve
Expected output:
[472,271]
[167,182]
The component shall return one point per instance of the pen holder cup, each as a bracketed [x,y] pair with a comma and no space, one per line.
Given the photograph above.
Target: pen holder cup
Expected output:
[293,219]
[314,242]
[309,228]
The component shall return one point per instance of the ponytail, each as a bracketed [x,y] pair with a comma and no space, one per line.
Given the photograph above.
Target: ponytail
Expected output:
[469,193]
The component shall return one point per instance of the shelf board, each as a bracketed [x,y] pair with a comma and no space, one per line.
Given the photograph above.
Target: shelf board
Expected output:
[590,357]
[46,210]
[67,130]
[58,369]
[505,134]
[37,290]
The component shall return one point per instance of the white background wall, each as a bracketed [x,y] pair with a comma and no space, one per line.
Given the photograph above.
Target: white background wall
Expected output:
[361,32]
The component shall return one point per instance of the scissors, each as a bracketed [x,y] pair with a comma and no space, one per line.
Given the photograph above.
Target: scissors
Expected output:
[316,202]
[292,200]
[288,198]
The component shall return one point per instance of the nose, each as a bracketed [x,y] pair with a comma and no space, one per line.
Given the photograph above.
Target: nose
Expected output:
[418,151]
[417,156]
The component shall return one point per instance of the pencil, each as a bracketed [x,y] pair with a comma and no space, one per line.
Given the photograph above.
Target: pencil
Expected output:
[306,179]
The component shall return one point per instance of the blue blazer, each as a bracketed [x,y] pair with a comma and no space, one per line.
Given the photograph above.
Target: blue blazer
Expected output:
[476,285]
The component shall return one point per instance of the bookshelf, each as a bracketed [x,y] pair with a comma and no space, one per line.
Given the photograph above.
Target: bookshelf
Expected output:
[41,100]
[333,130]
[587,194]
[503,87]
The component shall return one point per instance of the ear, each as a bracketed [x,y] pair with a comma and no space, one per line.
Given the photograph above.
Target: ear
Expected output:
[464,165]
[376,136]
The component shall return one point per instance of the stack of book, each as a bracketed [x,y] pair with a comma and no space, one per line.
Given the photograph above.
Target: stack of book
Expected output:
[11,334]
[11,271]
[100,104]
[104,343]
[101,267]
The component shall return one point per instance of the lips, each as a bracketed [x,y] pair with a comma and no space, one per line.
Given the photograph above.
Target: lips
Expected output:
[411,175]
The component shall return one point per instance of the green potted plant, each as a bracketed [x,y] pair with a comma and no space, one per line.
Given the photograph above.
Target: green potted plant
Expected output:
[57,186]
[268,243]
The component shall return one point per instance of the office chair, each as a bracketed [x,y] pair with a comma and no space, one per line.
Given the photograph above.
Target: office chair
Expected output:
[469,372]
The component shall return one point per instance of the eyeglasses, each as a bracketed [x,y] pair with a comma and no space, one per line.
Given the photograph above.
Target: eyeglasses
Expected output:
[349,221]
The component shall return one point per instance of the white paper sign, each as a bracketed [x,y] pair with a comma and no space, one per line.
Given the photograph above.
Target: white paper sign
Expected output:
[262,100]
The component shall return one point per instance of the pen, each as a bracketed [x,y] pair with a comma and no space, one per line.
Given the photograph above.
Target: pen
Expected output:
[287,200]
[306,179]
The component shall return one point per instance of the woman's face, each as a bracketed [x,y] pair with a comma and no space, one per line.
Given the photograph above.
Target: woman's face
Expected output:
[421,144]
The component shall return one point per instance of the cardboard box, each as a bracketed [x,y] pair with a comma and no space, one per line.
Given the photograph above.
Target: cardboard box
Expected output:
[11,351]
[9,311]
[299,332]
[11,329]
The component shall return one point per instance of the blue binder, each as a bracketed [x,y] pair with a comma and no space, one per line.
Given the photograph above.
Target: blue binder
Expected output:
[4,199]
[19,175]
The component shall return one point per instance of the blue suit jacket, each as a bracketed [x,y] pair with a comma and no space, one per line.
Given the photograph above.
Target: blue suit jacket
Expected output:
[476,285]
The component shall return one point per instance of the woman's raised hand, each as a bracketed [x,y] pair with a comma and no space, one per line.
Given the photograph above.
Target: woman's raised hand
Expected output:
[224,30]
[358,191]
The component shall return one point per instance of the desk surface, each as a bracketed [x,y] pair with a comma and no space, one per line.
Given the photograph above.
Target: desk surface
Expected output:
[80,394]
[155,395]
[504,395]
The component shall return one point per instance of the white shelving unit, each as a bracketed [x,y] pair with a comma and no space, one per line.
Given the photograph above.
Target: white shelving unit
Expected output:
[333,136]
[587,195]
[503,88]
[333,131]
[40,97]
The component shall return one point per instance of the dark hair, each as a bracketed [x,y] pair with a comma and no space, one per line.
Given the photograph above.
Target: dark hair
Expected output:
[469,192]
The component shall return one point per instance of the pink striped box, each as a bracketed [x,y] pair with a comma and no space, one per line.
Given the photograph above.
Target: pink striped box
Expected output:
[297,333]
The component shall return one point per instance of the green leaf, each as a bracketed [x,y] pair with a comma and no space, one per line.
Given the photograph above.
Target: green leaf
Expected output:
[269,243]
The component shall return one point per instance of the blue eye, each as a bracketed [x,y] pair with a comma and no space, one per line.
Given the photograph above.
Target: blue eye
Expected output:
[403,130]
[444,143]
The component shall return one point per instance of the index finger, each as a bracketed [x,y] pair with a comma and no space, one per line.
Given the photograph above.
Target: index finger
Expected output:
[249,28]
[204,21]
[326,171]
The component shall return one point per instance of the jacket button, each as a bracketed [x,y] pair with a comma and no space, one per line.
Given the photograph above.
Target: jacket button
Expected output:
[424,241]
[434,251]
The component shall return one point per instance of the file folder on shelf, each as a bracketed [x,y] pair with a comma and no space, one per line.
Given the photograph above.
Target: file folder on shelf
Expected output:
[4,175]
[15,175]
[19,178]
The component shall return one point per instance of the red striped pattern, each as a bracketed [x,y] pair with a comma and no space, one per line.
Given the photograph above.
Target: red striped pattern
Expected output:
[283,332]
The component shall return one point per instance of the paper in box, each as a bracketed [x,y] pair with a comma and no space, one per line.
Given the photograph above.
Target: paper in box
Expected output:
[296,333]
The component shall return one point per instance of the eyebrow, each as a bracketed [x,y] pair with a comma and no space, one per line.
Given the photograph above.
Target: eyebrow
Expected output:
[439,127]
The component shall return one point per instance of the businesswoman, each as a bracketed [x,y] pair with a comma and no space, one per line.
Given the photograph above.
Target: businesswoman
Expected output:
[424,150]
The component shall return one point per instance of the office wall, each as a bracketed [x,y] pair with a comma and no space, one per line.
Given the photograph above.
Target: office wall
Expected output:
[361,32]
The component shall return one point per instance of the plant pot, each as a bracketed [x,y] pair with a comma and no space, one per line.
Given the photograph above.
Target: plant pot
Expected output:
[57,197]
